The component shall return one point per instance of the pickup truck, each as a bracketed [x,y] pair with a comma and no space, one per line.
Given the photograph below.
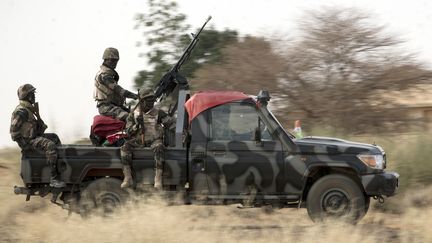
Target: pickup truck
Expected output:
[227,147]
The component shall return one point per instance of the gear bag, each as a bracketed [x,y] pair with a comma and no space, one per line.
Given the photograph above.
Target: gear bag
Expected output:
[103,126]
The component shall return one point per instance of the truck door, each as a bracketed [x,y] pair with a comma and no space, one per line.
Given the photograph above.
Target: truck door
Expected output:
[197,155]
[235,162]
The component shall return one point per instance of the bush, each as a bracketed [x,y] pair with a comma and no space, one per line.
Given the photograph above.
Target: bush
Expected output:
[412,161]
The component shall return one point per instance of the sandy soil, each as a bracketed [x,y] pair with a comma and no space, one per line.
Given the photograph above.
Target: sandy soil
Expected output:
[152,220]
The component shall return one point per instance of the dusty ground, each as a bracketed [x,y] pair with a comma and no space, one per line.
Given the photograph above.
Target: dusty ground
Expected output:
[155,221]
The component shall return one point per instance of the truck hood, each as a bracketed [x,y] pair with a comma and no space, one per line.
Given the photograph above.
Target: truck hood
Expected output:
[328,145]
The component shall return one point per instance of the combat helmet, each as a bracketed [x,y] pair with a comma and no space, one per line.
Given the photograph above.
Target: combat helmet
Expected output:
[111,53]
[25,90]
[146,94]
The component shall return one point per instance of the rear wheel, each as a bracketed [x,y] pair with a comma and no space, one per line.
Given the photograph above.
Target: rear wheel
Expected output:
[336,196]
[103,196]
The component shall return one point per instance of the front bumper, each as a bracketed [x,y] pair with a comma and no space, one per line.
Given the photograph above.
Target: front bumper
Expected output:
[385,183]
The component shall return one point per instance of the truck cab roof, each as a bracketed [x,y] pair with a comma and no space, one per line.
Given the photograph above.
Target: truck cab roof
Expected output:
[204,100]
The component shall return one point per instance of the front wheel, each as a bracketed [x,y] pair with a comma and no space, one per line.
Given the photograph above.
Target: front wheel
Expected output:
[336,196]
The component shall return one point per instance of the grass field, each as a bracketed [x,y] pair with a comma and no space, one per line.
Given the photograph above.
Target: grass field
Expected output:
[404,218]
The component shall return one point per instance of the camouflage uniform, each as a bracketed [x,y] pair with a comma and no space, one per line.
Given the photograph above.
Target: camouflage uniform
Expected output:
[109,95]
[154,121]
[27,129]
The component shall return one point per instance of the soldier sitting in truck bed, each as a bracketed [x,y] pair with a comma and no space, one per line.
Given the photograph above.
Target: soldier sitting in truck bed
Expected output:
[27,129]
[145,127]
[110,96]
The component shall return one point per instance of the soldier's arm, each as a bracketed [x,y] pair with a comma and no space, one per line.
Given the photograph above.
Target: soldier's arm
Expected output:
[109,80]
[131,126]
[18,119]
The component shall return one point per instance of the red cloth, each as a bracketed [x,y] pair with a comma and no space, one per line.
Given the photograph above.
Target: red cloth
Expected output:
[105,125]
[204,100]
[115,137]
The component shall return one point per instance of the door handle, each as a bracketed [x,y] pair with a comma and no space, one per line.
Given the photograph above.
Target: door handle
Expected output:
[219,153]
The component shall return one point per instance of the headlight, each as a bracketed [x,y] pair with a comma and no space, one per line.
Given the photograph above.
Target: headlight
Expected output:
[374,161]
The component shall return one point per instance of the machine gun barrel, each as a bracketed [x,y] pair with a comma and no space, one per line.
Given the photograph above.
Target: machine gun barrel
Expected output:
[190,47]
[169,81]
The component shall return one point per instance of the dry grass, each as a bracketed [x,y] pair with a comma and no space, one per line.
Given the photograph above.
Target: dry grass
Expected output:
[152,220]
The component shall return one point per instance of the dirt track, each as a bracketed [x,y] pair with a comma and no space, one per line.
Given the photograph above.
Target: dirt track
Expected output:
[153,220]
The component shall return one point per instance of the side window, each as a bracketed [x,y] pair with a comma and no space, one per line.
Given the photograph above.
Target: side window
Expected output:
[235,122]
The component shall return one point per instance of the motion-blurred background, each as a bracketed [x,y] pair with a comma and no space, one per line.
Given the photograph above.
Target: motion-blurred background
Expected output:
[341,66]
[355,70]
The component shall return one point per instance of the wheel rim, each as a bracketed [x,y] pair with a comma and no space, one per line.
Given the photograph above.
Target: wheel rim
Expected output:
[108,201]
[335,202]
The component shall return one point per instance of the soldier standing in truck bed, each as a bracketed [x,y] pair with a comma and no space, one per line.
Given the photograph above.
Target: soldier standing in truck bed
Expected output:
[153,120]
[109,95]
[27,129]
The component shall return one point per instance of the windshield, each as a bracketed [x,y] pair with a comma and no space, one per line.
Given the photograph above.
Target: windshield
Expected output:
[276,120]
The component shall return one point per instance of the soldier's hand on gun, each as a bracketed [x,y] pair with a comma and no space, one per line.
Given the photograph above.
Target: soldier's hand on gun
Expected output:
[168,121]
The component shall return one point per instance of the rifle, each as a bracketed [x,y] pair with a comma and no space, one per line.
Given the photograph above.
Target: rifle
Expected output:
[169,80]
[40,124]
[172,109]
[141,120]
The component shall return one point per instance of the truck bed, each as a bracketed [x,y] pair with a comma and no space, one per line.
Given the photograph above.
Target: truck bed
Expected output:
[78,163]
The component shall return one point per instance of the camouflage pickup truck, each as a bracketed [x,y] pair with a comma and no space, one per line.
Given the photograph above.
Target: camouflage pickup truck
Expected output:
[227,147]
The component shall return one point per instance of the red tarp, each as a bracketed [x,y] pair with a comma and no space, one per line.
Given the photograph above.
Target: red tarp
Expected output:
[204,100]
[105,125]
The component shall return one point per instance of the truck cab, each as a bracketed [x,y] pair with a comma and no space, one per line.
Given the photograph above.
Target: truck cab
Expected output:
[238,147]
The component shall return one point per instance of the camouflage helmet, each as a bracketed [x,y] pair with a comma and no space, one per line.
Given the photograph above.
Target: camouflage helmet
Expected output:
[111,53]
[25,90]
[146,93]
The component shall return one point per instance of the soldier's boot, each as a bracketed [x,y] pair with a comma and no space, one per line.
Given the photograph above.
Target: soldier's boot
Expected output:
[127,181]
[158,179]
[55,181]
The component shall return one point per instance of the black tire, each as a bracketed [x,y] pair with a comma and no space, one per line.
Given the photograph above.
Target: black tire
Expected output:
[336,197]
[367,204]
[102,196]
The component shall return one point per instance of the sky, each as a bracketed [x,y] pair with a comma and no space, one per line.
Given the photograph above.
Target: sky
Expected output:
[57,45]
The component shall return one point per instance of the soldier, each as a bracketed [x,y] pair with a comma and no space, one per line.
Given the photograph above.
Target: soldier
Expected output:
[153,120]
[27,129]
[109,95]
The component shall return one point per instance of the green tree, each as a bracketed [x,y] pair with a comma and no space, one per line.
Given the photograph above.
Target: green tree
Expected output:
[164,30]
[208,50]
[161,27]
